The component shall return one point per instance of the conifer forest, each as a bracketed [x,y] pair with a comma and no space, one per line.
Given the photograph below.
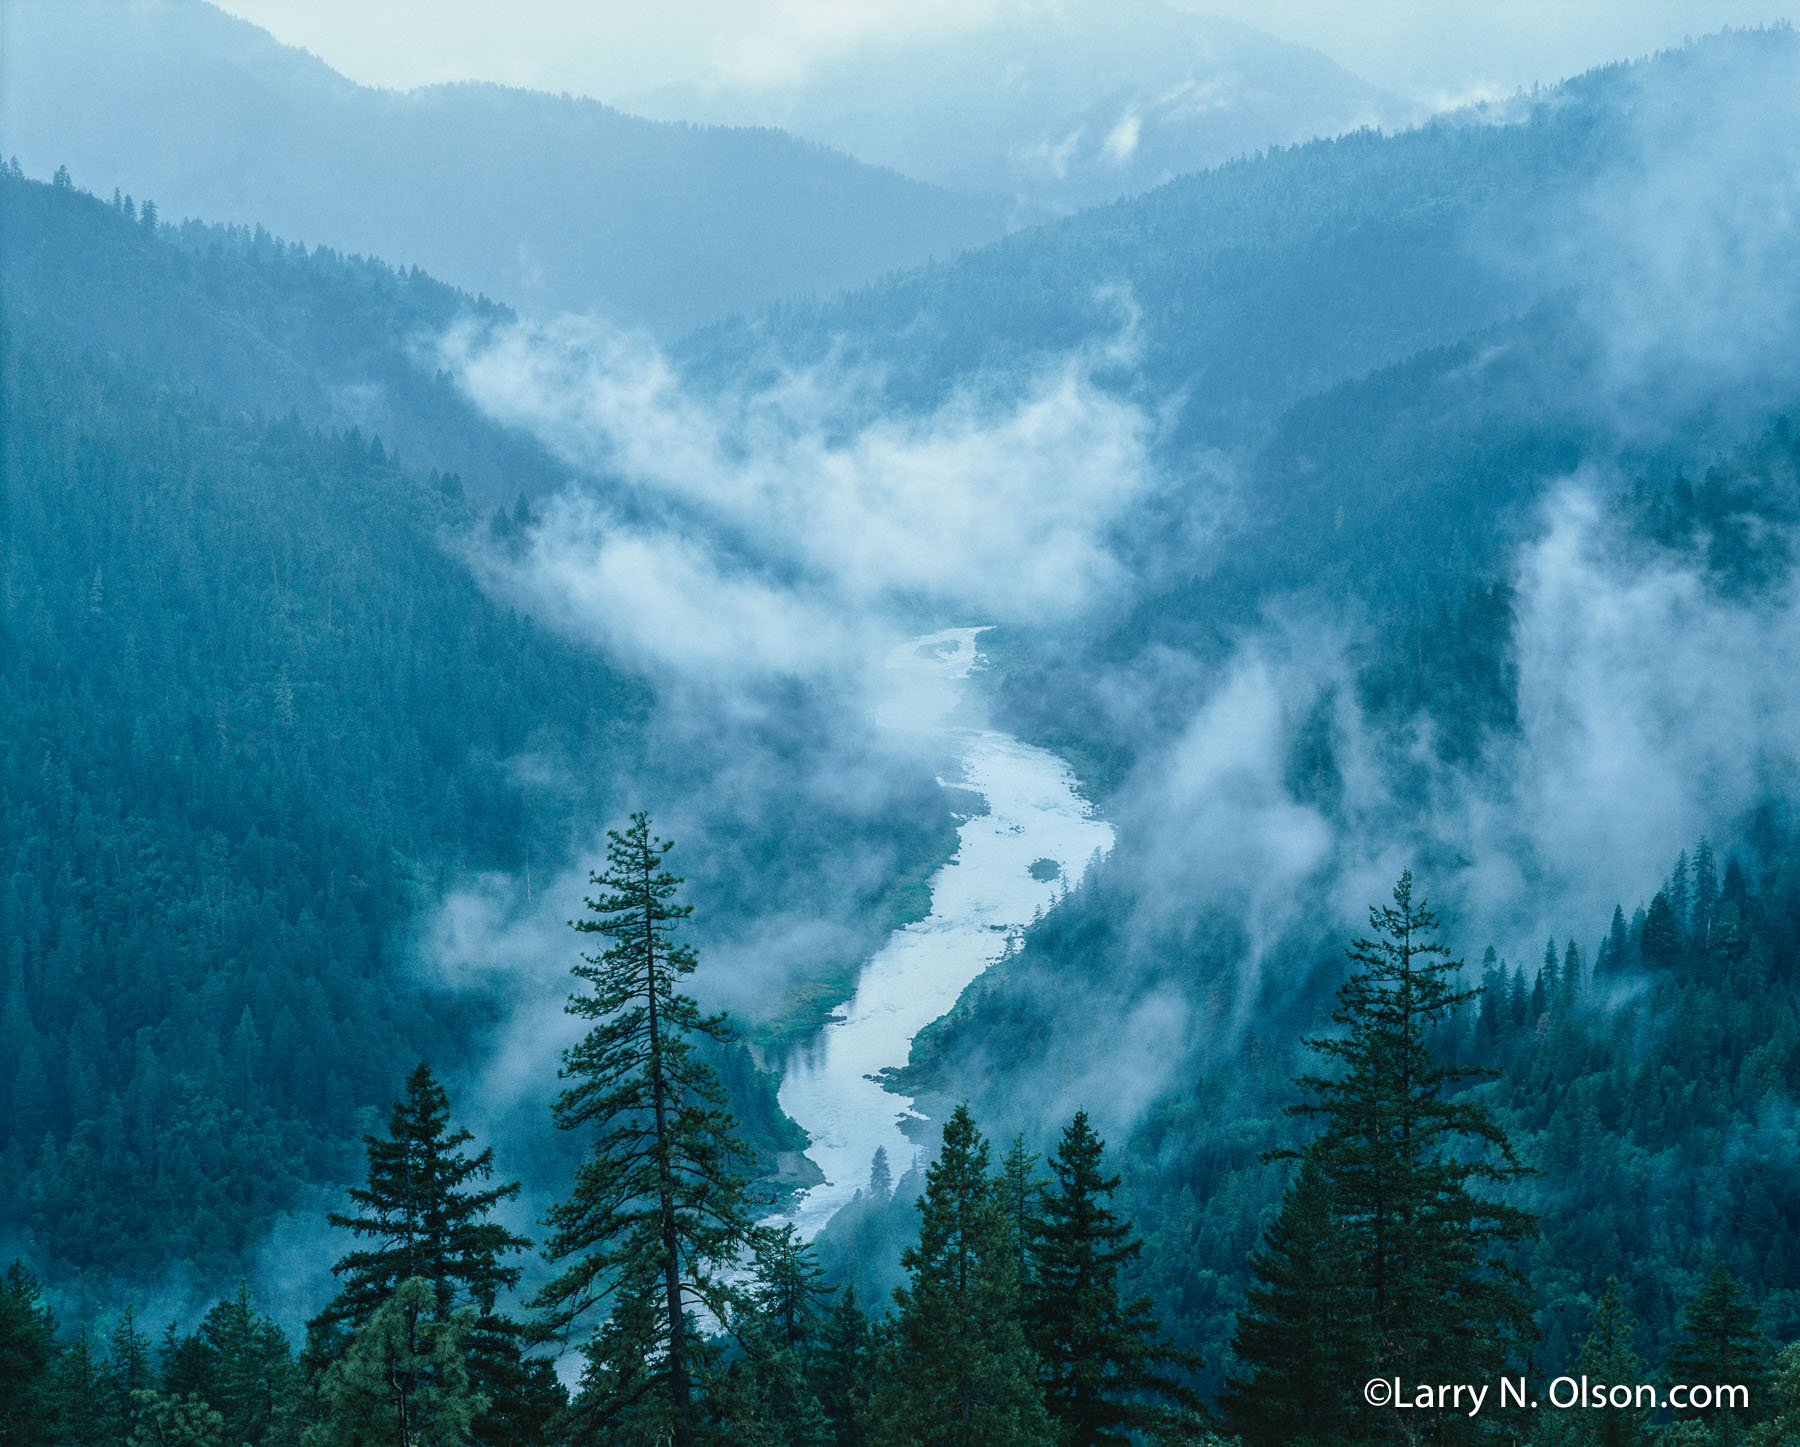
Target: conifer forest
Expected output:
[1048,723]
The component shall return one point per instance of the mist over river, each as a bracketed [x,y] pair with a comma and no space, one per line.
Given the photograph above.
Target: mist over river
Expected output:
[980,900]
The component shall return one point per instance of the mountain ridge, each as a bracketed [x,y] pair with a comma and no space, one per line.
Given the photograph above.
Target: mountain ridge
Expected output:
[583,208]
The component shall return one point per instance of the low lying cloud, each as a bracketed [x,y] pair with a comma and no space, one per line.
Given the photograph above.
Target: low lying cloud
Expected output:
[762,531]
[1683,252]
[1651,711]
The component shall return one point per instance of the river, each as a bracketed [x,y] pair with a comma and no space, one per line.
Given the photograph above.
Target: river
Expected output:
[980,901]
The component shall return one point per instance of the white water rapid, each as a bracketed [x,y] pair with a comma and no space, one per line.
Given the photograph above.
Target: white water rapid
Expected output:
[979,902]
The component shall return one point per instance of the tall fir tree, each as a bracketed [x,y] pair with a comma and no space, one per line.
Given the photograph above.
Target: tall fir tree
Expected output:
[1571,981]
[1491,1024]
[1016,1193]
[1304,1337]
[957,1371]
[428,1216]
[1548,994]
[27,1353]
[1721,1342]
[1706,895]
[1680,893]
[1663,937]
[658,1215]
[1108,1376]
[789,1284]
[1400,1147]
[1609,1357]
[842,1368]
[421,1216]
[129,1370]
[247,1371]
[79,1385]
[1614,957]
[881,1175]
[401,1378]
[766,1395]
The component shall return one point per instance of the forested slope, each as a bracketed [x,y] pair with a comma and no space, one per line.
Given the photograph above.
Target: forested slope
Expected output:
[259,325]
[262,722]
[255,712]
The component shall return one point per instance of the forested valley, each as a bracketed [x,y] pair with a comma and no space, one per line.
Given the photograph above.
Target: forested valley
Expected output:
[1405,600]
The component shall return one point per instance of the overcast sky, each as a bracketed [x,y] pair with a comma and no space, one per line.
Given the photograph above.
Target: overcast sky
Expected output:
[1430,49]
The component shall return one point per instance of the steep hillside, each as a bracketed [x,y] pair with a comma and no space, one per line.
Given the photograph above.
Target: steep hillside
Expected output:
[255,713]
[260,326]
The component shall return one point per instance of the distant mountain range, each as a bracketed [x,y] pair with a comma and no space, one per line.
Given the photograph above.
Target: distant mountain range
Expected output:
[1058,106]
[551,203]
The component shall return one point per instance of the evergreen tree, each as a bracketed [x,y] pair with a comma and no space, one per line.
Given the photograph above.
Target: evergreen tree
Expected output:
[658,1211]
[1616,951]
[27,1351]
[958,1371]
[1609,1357]
[1518,999]
[1662,933]
[1401,1151]
[1107,1374]
[1782,1428]
[422,1218]
[246,1370]
[763,1398]
[788,1284]
[1733,889]
[1706,895]
[128,1371]
[1548,993]
[1304,1332]
[881,1175]
[1721,1342]
[167,1421]
[1679,893]
[427,1219]
[1571,974]
[79,1389]
[842,1366]
[765,1395]
[1016,1192]
[183,1362]
[624,1398]
[1490,1026]
[401,1379]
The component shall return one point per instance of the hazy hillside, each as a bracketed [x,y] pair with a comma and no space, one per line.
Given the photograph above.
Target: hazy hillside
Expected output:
[258,325]
[1322,316]
[1243,289]
[549,203]
[1059,107]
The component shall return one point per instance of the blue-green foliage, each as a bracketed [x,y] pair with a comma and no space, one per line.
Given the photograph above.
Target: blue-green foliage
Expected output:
[254,714]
